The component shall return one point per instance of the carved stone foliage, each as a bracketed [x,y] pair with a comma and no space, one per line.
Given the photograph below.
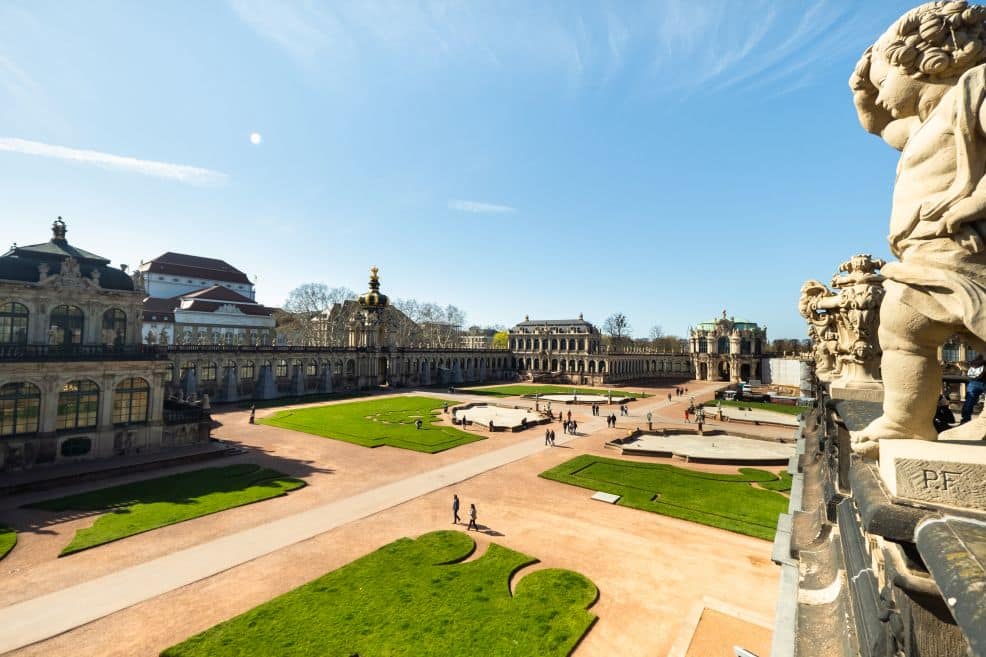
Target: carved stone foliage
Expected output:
[843,323]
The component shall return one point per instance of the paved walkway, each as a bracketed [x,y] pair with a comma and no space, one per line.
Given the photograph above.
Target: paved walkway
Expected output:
[48,615]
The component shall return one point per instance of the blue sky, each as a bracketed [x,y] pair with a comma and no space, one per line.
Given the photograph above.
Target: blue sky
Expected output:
[665,159]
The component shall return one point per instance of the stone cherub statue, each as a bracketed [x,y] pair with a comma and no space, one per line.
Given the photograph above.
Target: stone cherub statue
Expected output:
[921,87]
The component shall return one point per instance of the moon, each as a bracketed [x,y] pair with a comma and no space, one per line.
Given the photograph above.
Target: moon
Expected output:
[256,138]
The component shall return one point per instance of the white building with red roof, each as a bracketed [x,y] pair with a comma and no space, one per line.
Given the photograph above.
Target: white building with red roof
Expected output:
[195,300]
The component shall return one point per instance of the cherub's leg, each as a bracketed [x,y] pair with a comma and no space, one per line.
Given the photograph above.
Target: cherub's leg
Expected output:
[911,375]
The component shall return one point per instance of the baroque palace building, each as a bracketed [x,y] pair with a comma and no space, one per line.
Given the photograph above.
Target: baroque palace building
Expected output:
[727,349]
[572,351]
[75,380]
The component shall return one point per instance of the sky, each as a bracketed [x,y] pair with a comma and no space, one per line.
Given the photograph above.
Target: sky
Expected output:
[665,159]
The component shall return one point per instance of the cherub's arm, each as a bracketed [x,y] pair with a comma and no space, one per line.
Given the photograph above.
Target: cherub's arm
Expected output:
[874,118]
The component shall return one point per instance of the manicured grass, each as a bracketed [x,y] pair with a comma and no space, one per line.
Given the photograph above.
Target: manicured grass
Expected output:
[719,500]
[517,390]
[782,484]
[8,539]
[146,505]
[763,406]
[414,598]
[377,422]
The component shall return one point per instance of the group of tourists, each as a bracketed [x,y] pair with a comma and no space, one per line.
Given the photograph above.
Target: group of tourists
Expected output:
[697,411]
[569,427]
[611,421]
[595,410]
[624,410]
[455,514]
[549,437]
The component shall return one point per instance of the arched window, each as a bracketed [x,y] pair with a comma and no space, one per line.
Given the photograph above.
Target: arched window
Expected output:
[20,404]
[13,323]
[950,352]
[66,326]
[114,327]
[723,345]
[130,401]
[282,369]
[311,368]
[78,405]
[208,371]
[246,372]
[703,346]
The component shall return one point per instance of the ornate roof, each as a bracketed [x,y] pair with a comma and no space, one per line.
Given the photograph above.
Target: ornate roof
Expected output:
[21,263]
[373,298]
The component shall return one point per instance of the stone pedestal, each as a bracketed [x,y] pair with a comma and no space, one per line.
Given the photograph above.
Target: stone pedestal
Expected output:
[857,393]
[941,473]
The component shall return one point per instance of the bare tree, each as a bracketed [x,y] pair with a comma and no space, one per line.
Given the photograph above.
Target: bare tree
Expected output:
[308,304]
[656,332]
[617,329]
[617,326]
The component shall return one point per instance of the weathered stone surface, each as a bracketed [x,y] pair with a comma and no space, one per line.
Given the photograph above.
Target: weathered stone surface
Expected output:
[951,474]
[855,413]
[857,394]
[955,551]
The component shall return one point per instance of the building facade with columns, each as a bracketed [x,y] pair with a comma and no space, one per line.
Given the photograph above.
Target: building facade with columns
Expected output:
[727,349]
[375,352]
[572,351]
[75,381]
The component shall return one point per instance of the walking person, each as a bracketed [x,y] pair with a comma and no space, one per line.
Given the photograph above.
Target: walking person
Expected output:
[975,388]
[455,510]
[253,413]
[552,437]
[472,518]
[547,436]
[575,426]
[687,412]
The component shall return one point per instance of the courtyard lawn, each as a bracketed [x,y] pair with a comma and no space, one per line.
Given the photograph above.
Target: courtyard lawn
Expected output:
[762,406]
[145,505]
[378,422]
[8,539]
[782,484]
[719,500]
[414,597]
[517,390]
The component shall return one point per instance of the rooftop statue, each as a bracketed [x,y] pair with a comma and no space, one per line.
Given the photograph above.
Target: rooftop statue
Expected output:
[921,87]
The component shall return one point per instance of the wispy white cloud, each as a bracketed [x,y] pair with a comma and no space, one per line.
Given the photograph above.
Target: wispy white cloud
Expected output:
[686,46]
[479,208]
[167,170]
